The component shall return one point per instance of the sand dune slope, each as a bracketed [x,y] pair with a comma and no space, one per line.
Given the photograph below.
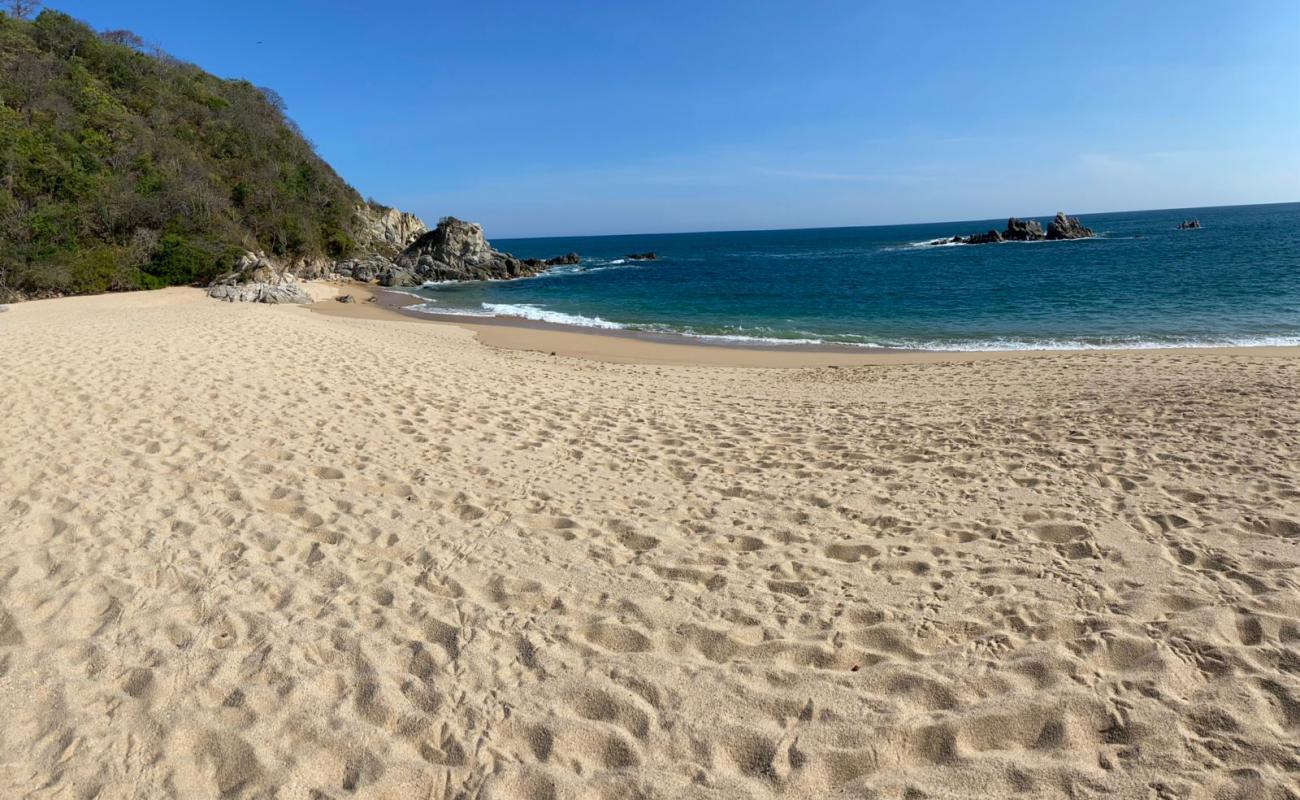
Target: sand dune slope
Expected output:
[256,552]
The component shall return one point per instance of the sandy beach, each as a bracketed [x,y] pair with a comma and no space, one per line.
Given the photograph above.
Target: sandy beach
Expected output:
[252,551]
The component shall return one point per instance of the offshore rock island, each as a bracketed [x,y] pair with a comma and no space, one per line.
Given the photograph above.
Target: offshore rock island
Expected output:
[1027,230]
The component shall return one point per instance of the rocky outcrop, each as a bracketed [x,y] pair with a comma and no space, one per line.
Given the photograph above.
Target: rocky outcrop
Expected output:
[1023,230]
[1064,227]
[567,259]
[259,293]
[992,237]
[386,231]
[455,251]
[1189,225]
[258,279]
[364,269]
[650,256]
[1026,230]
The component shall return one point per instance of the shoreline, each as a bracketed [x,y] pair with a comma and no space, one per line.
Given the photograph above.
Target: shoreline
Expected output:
[643,347]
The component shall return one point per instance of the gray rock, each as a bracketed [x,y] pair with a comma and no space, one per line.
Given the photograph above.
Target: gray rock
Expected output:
[364,269]
[259,293]
[1026,230]
[648,256]
[346,298]
[258,279]
[564,260]
[1064,227]
[397,276]
[980,238]
[1023,230]
[3,309]
[456,251]
[386,230]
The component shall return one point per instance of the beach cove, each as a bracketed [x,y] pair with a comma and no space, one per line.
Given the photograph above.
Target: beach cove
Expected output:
[252,550]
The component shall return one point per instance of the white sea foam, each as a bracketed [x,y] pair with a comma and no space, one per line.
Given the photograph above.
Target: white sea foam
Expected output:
[428,308]
[992,345]
[407,293]
[539,314]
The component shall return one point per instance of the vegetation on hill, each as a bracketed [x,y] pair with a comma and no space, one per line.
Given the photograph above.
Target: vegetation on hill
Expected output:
[123,168]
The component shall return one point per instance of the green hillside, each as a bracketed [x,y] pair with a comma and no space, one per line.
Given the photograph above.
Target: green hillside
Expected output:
[123,169]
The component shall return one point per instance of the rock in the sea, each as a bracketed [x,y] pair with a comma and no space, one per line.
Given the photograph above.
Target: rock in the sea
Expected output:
[1064,227]
[648,256]
[564,260]
[455,251]
[1026,230]
[1189,225]
[980,238]
[1023,230]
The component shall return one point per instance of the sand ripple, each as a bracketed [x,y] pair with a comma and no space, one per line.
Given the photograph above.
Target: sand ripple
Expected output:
[254,552]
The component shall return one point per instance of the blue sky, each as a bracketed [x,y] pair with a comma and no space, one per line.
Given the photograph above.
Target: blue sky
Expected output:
[552,118]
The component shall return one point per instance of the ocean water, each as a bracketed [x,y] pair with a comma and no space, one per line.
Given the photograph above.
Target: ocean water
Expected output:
[1139,283]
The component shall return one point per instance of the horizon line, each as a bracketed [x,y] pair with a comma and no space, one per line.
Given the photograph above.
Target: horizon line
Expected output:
[880,225]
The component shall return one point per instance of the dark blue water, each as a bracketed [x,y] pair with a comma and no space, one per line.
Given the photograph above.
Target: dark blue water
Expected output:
[1141,282]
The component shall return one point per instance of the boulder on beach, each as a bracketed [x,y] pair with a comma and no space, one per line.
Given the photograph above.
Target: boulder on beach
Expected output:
[259,293]
[259,279]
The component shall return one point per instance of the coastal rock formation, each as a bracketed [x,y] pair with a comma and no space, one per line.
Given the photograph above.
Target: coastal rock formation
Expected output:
[1189,225]
[454,251]
[1064,227]
[1026,230]
[649,256]
[385,230]
[991,237]
[1023,230]
[258,279]
[565,260]
[364,269]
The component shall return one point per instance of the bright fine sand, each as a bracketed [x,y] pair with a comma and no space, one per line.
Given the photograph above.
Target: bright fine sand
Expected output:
[252,551]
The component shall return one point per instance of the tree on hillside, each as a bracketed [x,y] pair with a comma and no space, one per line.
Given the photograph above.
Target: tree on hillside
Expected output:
[21,9]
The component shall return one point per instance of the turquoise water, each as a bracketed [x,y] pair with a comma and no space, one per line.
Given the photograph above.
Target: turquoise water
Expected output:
[1140,283]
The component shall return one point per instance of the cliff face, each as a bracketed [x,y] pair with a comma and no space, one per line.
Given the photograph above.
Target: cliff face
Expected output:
[386,231]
